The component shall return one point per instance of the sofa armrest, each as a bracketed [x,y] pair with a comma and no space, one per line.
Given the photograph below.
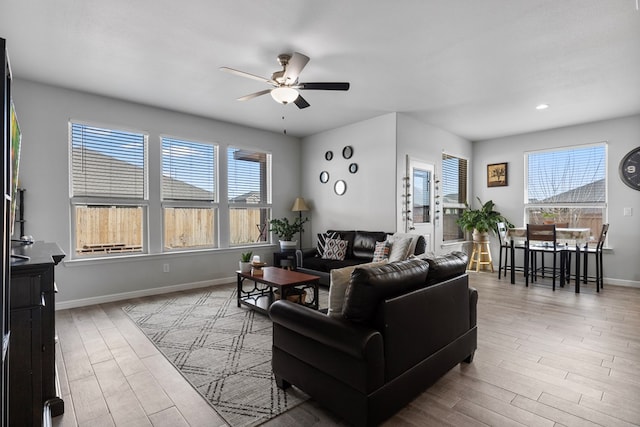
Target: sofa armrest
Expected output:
[355,340]
[473,302]
[301,254]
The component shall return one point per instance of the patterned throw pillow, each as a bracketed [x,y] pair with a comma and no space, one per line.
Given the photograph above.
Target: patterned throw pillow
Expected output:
[335,249]
[322,241]
[381,252]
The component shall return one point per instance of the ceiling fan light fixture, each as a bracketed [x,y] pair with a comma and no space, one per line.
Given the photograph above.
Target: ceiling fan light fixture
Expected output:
[284,94]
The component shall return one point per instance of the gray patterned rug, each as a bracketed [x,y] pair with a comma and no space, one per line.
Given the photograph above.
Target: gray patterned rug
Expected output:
[222,350]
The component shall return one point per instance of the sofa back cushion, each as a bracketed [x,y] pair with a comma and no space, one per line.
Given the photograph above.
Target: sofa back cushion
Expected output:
[443,267]
[361,244]
[364,243]
[340,278]
[369,286]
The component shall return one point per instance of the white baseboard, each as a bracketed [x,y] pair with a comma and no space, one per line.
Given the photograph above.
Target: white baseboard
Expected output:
[63,305]
[620,282]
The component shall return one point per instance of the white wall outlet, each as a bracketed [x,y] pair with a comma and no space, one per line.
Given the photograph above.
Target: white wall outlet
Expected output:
[165,268]
[628,212]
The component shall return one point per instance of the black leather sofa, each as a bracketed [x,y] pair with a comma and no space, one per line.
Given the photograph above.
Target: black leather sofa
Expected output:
[360,248]
[403,326]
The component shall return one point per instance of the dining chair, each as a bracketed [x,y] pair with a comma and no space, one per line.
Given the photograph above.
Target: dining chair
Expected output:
[541,239]
[596,250]
[505,245]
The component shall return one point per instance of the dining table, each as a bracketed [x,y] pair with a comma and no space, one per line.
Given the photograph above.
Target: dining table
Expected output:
[574,236]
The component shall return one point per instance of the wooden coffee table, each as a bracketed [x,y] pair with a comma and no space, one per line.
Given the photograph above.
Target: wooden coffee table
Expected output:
[261,297]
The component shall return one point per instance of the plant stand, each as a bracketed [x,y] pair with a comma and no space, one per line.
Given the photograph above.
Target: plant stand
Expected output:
[481,255]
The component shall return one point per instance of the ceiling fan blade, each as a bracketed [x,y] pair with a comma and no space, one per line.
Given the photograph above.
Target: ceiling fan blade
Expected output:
[248,75]
[297,62]
[324,86]
[301,102]
[254,95]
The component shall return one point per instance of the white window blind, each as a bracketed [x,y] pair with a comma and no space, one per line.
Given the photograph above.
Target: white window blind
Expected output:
[188,170]
[107,163]
[454,195]
[249,176]
[454,179]
[567,176]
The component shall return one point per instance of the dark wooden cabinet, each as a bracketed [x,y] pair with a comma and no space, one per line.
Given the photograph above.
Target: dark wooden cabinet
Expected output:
[32,369]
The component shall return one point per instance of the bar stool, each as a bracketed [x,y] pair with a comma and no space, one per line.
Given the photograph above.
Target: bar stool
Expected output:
[505,246]
[481,255]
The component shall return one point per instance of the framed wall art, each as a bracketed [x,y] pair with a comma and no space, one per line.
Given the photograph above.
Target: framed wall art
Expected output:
[497,175]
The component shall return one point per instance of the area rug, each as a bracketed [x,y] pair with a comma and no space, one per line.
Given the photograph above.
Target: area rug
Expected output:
[222,350]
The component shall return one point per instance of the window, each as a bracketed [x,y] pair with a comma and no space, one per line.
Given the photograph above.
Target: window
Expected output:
[188,194]
[567,185]
[454,195]
[249,192]
[108,189]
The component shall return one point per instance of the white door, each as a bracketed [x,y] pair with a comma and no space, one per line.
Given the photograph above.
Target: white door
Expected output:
[419,194]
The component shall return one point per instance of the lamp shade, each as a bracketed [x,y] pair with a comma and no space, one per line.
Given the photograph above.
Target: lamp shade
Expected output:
[299,205]
[284,94]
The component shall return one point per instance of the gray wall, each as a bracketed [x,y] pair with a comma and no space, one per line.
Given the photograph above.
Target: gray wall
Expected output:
[44,112]
[368,203]
[623,134]
[425,142]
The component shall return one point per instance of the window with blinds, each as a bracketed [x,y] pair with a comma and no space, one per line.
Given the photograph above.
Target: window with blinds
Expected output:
[108,163]
[567,186]
[108,189]
[249,193]
[189,194]
[454,195]
[188,170]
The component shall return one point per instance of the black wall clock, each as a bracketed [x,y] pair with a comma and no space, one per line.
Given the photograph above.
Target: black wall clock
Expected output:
[630,169]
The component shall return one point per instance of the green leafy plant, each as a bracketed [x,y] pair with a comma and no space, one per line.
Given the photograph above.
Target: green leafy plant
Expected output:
[245,256]
[483,219]
[285,229]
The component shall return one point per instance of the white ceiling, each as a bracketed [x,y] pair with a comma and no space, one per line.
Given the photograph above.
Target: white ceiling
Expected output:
[475,68]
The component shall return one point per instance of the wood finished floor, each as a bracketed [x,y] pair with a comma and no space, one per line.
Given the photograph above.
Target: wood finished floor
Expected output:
[543,359]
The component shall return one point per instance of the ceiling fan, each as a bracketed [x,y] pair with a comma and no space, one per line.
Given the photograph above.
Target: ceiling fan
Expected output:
[285,82]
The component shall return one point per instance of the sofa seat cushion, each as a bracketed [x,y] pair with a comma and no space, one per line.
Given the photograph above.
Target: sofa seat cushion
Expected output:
[326,265]
[369,286]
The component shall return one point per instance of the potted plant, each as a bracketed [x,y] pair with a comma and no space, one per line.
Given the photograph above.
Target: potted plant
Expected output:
[286,230]
[481,221]
[245,262]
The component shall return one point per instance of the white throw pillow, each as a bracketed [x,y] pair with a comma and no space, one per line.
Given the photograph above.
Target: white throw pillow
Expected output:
[340,278]
[414,241]
[399,249]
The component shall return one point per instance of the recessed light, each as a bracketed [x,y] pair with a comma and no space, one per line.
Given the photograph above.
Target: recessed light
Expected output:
[542,106]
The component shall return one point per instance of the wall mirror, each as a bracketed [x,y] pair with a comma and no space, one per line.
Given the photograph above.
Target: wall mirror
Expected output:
[340,187]
[347,152]
[328,155]
[324,177]
[353,167]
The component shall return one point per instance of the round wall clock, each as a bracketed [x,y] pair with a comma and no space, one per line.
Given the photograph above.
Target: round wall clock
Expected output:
[630,169]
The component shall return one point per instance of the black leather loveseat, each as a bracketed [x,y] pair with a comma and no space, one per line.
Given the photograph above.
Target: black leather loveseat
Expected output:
[404,325]
[360,247]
